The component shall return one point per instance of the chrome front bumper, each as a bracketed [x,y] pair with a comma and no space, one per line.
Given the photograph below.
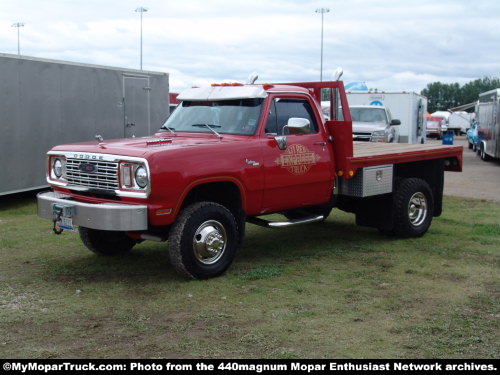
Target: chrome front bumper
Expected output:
[103,216]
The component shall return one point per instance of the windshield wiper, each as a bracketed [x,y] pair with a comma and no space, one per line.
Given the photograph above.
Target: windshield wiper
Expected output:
[211,128]
[171,130]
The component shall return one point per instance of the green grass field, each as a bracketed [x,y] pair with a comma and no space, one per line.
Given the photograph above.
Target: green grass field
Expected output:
[322,290]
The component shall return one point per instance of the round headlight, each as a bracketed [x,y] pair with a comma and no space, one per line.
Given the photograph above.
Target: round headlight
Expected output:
[141,177]
[58,168]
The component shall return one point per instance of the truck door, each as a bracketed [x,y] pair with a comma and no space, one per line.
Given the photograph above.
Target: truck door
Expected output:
[300,173]
[136,106]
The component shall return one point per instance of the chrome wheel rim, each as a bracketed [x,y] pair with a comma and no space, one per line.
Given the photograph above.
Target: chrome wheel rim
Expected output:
[417,209]
[209,242]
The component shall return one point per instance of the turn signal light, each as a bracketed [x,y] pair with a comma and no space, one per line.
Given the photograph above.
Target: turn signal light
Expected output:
[127,175]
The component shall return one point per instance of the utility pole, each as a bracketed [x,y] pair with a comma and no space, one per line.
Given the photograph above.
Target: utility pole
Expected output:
[18,25]
[322,11]
[141,10]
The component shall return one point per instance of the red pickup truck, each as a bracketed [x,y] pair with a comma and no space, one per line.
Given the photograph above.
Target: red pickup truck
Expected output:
[230,154]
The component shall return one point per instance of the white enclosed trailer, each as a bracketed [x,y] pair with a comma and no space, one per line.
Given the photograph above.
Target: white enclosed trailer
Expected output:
[488,124]
[459,121]
[44,103]
[408,107]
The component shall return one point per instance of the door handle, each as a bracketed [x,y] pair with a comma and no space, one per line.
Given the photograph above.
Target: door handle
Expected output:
[320,143]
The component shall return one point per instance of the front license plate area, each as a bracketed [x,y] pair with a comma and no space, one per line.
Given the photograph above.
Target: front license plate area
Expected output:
[63,215]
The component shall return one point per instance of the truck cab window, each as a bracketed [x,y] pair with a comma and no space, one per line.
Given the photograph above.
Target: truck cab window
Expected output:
[271,126]
[287,108]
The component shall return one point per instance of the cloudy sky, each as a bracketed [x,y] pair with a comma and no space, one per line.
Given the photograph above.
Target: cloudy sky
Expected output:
[390,44]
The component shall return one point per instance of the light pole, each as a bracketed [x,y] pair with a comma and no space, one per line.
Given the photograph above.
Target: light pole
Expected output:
[18,25]
[322,11]
[141,10]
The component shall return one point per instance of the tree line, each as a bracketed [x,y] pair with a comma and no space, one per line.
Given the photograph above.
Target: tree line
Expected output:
[443,96]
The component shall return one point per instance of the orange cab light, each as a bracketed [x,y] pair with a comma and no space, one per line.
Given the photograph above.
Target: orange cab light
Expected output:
[267,86]
[236,84]
[340,173]
[215,84]
[351,173]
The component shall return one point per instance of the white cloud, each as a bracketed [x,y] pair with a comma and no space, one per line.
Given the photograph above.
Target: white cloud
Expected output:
[390,44]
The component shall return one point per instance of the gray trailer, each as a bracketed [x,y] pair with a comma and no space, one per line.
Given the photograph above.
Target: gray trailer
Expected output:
[48,102]
[488,124]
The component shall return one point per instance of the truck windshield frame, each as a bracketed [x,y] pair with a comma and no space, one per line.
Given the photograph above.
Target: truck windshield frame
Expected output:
[235,116]
[362,114]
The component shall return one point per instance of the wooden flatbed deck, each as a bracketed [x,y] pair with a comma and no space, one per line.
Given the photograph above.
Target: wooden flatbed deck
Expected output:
[376,153]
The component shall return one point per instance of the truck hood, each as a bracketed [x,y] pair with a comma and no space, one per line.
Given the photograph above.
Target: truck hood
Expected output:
[146,146]
[367,127]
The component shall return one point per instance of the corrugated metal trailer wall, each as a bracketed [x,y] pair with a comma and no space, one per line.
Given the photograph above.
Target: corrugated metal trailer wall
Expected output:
[46,102]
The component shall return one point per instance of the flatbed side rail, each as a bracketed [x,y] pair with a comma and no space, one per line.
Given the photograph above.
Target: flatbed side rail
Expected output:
[452,155]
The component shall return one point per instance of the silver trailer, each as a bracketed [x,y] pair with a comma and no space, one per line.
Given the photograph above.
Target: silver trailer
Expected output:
[48,102]
[488,128]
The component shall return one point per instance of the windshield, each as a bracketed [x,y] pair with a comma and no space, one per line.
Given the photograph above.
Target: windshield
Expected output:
[240,116]
[369,115]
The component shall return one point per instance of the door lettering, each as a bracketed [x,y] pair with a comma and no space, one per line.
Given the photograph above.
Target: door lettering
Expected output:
[297,159]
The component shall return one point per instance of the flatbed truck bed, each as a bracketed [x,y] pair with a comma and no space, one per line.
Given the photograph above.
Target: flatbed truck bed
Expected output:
[366,154]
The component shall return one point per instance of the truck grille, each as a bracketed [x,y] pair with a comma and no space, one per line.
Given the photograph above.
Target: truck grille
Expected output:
[105,175]
[359,136]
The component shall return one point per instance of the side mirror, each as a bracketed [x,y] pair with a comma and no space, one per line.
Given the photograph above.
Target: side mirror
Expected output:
[281,141]
[298,125]
[395,122]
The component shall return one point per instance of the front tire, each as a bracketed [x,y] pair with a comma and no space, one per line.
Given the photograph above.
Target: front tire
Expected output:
[413,207]
[105,242]
[204,240]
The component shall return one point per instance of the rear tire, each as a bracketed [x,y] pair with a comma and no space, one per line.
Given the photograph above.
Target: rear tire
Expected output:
[413,207]
[204,240]
[104,242]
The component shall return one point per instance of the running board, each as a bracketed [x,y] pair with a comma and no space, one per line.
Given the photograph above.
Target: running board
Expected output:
[284,224]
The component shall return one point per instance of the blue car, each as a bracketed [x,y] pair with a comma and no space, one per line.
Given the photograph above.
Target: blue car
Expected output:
[472,138]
